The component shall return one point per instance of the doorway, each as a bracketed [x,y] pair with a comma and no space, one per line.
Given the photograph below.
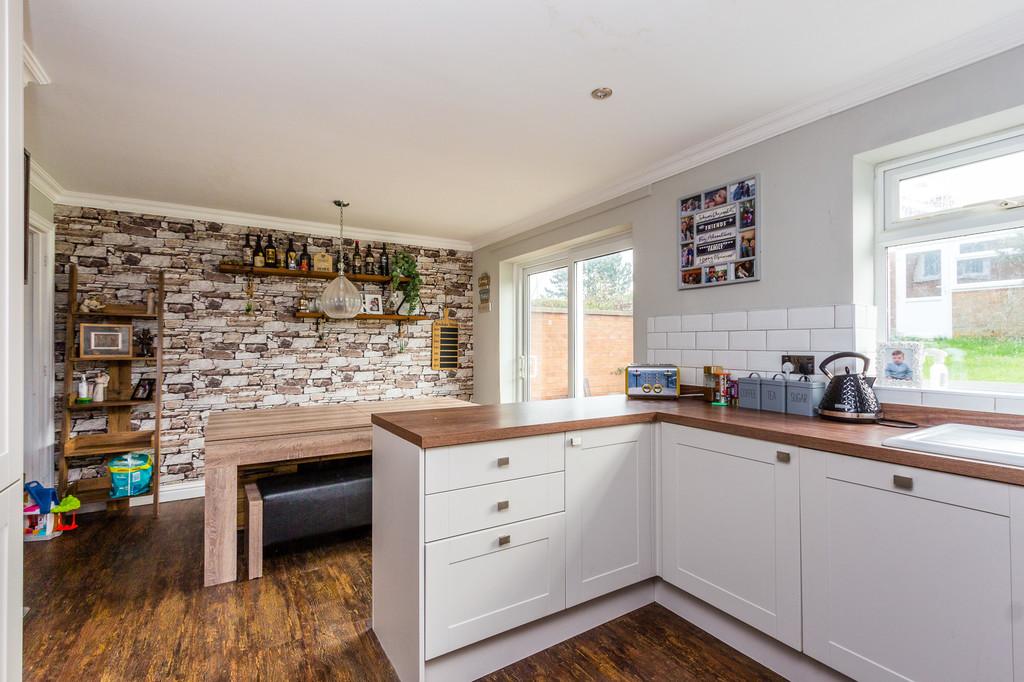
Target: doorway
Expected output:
[39,376]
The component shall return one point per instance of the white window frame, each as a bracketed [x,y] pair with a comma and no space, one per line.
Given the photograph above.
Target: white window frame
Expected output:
[568,259]
[982,218]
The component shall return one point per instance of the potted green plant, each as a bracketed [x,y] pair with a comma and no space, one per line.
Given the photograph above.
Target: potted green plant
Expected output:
[406,298]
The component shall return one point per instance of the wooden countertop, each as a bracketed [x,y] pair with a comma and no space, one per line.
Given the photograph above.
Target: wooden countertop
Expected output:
[436,428]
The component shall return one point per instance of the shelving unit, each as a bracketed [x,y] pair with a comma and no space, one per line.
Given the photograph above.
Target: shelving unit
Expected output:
[119,437]
[382,280]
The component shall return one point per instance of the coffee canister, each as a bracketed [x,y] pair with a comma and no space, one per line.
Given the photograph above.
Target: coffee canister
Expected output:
[773,394]
[750,391]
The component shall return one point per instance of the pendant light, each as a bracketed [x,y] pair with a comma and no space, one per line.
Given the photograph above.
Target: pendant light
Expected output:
[341,300]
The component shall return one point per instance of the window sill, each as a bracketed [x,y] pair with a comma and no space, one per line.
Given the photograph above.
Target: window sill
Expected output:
[1005,402]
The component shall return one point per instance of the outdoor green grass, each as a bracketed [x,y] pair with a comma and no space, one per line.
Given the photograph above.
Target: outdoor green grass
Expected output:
[974,358]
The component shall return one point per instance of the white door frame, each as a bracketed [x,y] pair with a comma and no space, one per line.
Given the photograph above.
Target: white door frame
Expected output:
[569,259]
[39,377]
[12,299]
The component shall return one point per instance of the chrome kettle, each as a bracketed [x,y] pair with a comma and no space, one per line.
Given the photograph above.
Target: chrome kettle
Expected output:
[849,397]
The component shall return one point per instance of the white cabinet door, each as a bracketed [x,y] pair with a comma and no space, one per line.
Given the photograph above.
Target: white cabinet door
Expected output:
[481,584]
[907,573]
[609,502]
[11,545]
[731,526]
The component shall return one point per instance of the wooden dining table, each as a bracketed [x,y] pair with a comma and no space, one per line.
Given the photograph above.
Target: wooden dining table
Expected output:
[242,438]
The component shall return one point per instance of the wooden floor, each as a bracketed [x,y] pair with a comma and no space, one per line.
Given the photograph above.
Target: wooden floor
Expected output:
[121,599]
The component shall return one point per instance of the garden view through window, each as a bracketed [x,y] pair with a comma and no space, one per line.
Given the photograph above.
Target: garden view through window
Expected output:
[580,344]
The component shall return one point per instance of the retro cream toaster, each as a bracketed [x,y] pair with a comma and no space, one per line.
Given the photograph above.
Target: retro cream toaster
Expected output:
[652,381]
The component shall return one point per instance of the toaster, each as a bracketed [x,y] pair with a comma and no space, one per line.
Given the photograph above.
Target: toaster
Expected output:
[652,381]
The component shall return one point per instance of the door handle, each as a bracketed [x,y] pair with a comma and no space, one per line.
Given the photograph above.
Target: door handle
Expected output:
[903,482]
[782,456]
[576,441]
[504,540]
[503,461]
[503,505]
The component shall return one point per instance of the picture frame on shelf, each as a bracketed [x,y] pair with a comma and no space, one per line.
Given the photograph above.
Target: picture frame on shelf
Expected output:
[144,389]
[900,363]
[104,341]
[373,304]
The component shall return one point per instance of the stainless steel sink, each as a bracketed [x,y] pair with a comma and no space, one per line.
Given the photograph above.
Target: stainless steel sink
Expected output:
[1000,446]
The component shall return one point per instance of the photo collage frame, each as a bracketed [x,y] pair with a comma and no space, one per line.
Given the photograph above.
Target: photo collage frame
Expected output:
[719,233]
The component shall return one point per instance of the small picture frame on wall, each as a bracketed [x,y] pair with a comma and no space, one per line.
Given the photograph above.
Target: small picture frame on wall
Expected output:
[144,389]
[104,341]
[900,363]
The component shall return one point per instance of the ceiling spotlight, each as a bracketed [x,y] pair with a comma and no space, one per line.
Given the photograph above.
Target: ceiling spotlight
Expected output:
[601,93]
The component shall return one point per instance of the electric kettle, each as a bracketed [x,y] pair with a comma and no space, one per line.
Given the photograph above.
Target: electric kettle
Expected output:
[849,397]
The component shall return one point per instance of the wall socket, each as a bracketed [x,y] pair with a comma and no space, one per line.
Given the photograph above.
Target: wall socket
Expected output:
[803,364]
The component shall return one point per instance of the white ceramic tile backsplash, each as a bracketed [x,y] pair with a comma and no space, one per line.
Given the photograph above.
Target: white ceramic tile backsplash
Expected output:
[833,338]
[1010,405]
[822,317]
[957,401]
[713,340]
[789,339]
[768,319]
[682,340]
[657,340]
[729,321]
[749,340]
[696,323]
[667,323]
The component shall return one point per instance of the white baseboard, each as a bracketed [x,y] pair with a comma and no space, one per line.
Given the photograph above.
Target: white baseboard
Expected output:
[169,493]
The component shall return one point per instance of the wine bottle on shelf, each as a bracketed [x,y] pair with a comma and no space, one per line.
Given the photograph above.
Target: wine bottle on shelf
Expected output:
[385,262]
[247,251]
[270,252]
[346,262]
[291,256]
[357,260]
[259,257]
[369,262]
[305,262]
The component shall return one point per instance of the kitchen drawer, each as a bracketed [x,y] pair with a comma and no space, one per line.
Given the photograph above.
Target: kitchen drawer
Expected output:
[457,512]
[462,466]
[485,583]
[714,441]
[973,493]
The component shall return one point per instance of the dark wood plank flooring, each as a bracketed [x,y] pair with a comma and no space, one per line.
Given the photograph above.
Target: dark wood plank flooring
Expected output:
[121,599]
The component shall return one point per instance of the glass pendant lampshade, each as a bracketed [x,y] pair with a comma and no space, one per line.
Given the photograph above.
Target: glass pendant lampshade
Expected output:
[341,300]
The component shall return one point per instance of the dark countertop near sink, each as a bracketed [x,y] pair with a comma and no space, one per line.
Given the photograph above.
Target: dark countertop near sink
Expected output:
[478,423]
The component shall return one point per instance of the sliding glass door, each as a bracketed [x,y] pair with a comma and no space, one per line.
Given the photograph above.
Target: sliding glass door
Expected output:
[577,323]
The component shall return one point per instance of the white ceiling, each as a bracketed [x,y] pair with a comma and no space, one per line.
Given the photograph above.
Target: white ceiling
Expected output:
[446,118]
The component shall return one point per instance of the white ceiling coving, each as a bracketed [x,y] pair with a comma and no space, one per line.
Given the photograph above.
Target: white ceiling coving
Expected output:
[448,121]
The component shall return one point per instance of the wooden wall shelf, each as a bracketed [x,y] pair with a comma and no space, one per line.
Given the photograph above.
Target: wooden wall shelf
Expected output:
[366,316]
[108,443]
[137,358]
[83,407]
[248,270]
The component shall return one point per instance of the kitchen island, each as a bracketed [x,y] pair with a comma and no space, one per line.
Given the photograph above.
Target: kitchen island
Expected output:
[501,530]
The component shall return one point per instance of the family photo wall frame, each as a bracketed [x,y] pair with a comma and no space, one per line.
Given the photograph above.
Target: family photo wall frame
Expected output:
[718,234]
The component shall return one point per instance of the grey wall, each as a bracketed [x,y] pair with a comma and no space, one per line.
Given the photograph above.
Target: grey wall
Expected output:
[816,236]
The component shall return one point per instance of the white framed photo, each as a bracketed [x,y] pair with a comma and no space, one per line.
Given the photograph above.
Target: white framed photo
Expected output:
[373,304]
[900,363]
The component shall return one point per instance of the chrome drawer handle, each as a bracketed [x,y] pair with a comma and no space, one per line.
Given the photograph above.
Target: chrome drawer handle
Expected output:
[503,461]
[502,505]
[504,540]
[782,456]
[904,482]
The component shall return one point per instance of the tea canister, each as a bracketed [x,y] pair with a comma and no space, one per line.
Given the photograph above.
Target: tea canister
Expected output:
[773,394]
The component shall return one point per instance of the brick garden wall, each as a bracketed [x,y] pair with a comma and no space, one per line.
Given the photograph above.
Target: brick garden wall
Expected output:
[218,357]
[609,348]
[989,312]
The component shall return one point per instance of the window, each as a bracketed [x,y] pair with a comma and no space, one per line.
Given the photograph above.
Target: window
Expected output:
[951,236]
[576,320]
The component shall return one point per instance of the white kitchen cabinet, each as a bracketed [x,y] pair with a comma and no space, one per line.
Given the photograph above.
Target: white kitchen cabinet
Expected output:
[485,583]
[11,544]
[731,526]
[609,498]
[906,572]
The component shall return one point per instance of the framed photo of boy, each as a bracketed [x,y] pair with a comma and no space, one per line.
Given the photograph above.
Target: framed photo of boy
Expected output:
[900,363]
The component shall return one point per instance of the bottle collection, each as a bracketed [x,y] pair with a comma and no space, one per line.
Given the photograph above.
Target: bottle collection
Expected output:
[270,255]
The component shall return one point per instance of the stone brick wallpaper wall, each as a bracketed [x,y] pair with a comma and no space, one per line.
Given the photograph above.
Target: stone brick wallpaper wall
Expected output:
[218,357]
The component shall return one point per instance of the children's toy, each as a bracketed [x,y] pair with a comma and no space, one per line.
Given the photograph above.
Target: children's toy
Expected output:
[42,513]
[68,504]
[130,474]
